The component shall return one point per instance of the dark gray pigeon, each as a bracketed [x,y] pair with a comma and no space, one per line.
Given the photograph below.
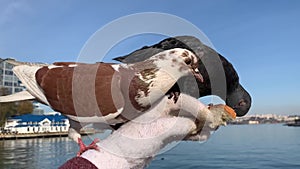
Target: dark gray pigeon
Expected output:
[220,77]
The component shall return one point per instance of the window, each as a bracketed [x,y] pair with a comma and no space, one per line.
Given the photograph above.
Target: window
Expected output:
[18,90]
[46,123]
[9,72]
[9,66]
[7,83]
[8,78]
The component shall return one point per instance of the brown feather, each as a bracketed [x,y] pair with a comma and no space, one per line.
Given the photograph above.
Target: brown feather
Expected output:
[57,84]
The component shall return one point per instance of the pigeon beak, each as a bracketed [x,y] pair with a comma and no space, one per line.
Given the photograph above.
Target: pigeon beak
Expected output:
[198,75]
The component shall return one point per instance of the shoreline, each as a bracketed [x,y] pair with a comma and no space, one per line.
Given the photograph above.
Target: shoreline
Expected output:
[9,136]
[13,136]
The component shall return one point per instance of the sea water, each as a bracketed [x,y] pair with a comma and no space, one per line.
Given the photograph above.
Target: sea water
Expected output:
[231,147]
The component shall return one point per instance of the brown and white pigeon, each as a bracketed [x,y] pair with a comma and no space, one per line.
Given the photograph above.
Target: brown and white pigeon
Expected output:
[104,93]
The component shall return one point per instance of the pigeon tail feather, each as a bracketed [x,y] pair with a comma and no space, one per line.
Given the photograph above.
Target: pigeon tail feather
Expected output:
[26,74]
[20,96]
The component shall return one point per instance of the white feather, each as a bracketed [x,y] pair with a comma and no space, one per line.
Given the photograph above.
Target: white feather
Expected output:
[27,75]
[53,66]
[73,134]
[20,96]
[115,67]
[108,119]
[168,74]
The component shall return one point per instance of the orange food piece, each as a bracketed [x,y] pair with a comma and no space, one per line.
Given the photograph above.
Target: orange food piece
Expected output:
[230,111]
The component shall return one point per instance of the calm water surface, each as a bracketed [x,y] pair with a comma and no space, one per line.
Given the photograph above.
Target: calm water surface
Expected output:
[231,147]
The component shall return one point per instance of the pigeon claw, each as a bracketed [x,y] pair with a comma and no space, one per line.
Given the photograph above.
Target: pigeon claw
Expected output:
[84,148]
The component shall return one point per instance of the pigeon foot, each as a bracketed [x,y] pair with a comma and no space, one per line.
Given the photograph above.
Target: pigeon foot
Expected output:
[84,148]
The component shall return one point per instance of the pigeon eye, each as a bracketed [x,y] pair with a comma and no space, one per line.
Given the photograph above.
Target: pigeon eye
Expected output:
[188,61]
[242,103]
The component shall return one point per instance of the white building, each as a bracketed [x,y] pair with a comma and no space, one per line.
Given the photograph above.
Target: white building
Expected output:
[8,79]
[29,123]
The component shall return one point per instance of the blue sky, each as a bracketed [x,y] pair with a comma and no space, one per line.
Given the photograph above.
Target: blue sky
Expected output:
[260,38]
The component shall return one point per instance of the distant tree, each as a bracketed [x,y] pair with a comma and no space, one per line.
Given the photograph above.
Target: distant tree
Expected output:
[4,91]
[6,110]
[13,108]
[24,107]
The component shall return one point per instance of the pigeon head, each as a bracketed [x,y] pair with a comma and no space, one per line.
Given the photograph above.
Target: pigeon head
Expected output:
[177,61]
[239,100]
[191,61]
[230,89]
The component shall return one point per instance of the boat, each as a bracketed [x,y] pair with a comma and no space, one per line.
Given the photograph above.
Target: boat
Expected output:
[295,123]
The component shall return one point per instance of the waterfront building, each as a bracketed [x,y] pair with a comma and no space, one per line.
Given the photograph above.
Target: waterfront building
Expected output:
[8,79]
[253,122]
[29,124]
